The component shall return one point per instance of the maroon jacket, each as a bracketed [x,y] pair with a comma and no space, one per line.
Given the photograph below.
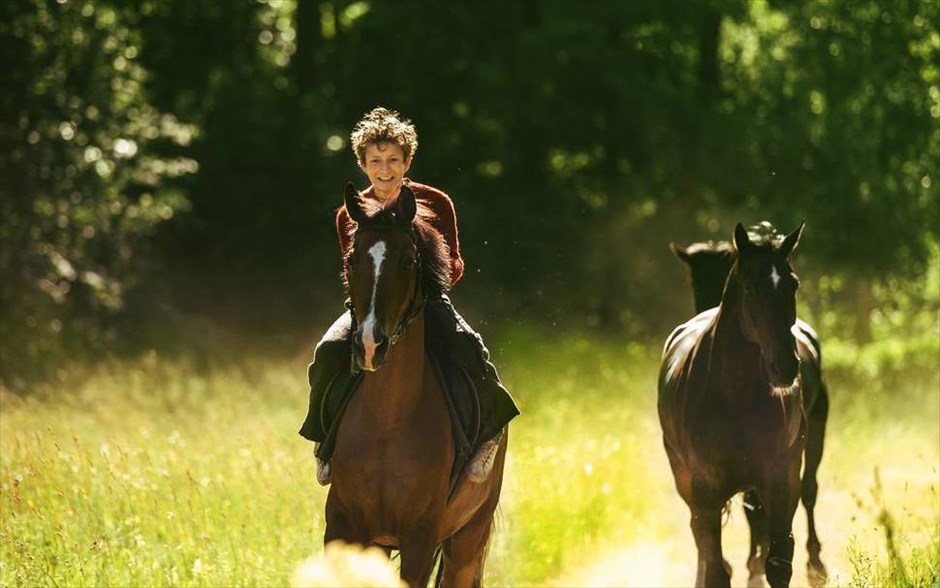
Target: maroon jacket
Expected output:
[445,221]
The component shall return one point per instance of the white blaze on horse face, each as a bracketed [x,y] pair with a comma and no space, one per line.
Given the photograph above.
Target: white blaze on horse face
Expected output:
[377,253]
[774,276]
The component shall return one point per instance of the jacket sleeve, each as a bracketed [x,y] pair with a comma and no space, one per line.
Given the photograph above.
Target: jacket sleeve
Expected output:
[447,220]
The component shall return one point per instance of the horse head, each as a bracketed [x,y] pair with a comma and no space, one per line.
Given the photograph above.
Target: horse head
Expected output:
[764,286]
[383,274]
[709,264]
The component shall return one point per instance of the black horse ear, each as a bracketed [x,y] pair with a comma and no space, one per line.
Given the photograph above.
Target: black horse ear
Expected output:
[681,252]
[353,203]
[406,204]
[741,240]
[792,240]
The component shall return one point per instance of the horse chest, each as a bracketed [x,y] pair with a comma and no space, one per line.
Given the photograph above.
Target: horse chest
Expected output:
[740,434]
[392,461]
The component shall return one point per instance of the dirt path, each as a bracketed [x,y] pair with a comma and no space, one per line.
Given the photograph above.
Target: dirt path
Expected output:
[868,466]
[846,523]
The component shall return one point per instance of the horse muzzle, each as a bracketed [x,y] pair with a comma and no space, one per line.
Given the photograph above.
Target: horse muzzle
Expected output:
[369,350]
[782,371]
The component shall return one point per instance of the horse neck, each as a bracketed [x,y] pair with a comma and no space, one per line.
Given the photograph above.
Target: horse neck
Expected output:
[733,357]
[399,382]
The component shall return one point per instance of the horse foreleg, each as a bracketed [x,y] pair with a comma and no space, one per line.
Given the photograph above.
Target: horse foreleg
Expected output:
[339,527]
[713,570]
[417,555]
[465,551]
[781,498]
[815,439]
[760,540]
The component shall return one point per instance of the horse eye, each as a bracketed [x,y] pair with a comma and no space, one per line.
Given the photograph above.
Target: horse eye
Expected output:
[410,261]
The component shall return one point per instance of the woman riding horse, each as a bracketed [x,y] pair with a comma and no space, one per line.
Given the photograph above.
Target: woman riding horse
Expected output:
[384,146]
[396,481]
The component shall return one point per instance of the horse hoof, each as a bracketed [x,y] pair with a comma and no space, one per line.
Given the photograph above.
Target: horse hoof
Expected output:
[756,581]
[817,574]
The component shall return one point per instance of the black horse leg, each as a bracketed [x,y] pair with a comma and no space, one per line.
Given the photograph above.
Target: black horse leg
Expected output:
[815,438]
[781,498]
[713,570]
[760,540]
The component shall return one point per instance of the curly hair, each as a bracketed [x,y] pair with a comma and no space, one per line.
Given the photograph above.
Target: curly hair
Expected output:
[381,125]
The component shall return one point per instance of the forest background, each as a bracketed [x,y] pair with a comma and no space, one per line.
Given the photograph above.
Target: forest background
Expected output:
[170,170]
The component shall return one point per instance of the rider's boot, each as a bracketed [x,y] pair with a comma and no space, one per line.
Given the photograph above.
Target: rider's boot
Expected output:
[481,464]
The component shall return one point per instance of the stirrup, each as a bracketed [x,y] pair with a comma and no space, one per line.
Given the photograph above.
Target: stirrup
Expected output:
[324,471]
[481,464]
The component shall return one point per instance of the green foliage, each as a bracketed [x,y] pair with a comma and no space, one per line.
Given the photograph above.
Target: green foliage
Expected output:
[840,105]
[86,166]
[575,143]
[152,472]
[919,566]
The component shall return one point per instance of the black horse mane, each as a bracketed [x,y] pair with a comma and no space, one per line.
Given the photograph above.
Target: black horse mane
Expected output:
[432,248]
[764,234]
[722,247]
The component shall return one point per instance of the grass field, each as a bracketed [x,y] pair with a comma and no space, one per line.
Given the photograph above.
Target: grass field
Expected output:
[155,473]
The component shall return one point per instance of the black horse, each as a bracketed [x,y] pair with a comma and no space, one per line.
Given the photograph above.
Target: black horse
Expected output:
[709,264]
[731,406]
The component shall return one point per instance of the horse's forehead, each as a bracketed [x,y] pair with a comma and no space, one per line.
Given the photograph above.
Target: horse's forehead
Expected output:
[764,265]
[394,239]
[770,268]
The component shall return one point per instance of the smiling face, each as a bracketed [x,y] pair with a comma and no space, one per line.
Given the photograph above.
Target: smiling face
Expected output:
[385,164]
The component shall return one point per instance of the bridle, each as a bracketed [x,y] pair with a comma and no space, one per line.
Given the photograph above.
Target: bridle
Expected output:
[418,299]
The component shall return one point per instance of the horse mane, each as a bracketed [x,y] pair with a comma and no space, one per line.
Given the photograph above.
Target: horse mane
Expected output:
[722,247]
[433,249]
[764,234]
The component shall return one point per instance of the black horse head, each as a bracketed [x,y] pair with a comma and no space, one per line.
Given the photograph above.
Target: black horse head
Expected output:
[763,286]
[709,264]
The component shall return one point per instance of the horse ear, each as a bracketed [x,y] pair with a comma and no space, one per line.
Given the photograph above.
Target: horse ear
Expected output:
[792,240]
[681,253]
[741,240]
[407,206]
[353,202]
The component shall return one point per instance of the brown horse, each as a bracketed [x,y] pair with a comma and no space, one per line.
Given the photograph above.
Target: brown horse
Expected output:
[394,452]
[709,264]
[731,406]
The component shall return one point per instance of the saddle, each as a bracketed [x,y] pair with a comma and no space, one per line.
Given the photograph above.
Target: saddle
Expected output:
[460,395]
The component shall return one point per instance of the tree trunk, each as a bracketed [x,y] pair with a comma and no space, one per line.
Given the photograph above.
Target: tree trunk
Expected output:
[708,40]
[309,40]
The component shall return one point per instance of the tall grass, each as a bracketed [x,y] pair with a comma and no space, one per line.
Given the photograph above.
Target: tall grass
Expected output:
[157,473]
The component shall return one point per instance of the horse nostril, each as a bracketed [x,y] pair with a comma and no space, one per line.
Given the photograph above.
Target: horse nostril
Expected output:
[381,347]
